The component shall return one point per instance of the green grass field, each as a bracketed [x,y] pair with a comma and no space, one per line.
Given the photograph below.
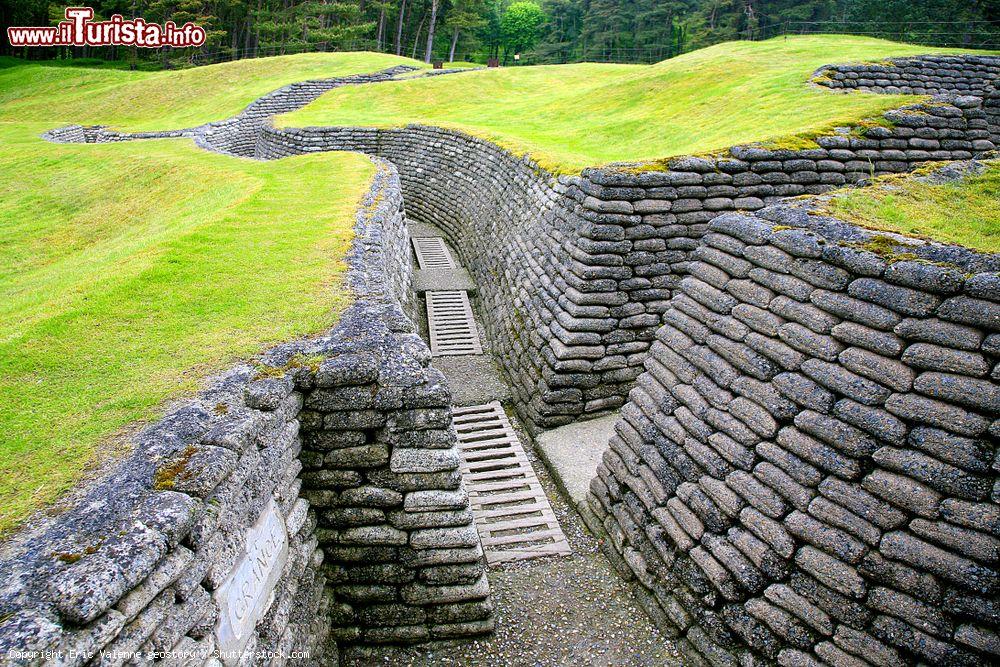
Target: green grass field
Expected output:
[129,272]
[966,212]
[569,117]
[167,100]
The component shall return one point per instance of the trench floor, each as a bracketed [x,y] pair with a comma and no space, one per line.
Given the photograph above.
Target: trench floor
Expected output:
[559,610]
[562,610]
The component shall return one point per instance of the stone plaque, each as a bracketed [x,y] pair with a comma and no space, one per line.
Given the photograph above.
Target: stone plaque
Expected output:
[244,595]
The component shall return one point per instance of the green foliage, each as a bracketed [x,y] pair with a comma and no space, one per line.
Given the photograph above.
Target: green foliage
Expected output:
[464,17]
[572,31]
[638,29]
[520,26]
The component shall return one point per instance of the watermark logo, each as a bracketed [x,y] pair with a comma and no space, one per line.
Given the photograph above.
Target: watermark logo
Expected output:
[79,29]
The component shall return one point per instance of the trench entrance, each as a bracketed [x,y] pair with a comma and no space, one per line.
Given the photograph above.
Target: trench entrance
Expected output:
[556,598]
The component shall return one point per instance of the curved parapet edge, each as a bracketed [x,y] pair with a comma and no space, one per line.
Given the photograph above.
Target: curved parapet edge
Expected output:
[340,448]
[977,76]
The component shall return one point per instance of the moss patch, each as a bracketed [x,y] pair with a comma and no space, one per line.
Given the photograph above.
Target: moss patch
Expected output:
[166,476]
[297,361]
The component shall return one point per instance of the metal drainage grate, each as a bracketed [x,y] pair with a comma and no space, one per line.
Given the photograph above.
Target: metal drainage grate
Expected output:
[513,515]
[452,327]
[432,253]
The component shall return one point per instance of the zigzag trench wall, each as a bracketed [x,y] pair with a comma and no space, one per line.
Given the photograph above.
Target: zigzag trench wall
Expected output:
[336,454]
[784,546]
[808,472]
[236,135]
[924,75]
[575,272]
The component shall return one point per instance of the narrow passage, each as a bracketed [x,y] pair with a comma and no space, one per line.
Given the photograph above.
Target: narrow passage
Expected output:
[557,600]
[513,515]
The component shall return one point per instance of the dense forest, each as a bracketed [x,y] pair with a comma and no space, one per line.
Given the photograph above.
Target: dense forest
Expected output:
[532,30]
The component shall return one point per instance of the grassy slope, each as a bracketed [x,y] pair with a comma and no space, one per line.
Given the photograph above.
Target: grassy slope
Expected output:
[130,271]
[572,116]
[165,100]
[965,212]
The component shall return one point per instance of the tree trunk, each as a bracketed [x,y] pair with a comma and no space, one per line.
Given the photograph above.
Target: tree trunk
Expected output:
[430,31]
[381,29]
[454,43]
[249,39]
[399,28]
[416,39]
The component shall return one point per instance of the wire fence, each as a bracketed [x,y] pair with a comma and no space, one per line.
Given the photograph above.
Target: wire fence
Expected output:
[959,34]
[972,34]
[205,58]
[646,54]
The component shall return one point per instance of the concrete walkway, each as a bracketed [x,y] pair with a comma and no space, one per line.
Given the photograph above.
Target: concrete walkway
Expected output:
[474,379]
[550,611]
[573,452]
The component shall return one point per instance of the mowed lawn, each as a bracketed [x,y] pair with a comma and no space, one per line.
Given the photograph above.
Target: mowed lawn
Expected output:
[966,212]
[129,272]
[569,117]
[166,100]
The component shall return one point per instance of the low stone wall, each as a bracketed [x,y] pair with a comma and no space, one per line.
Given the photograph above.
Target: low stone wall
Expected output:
[917,75]
[807,471]
[236,135]
[575,272]
[924,75]
[316,489]
[70,134]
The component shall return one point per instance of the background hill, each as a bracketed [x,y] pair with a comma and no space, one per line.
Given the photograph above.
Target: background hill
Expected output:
[573,116]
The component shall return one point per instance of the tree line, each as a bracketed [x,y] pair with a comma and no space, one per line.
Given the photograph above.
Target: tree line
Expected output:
[541,30]
[588,29]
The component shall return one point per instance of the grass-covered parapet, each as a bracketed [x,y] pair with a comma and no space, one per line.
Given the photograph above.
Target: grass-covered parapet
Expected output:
[130,271]
[568,117]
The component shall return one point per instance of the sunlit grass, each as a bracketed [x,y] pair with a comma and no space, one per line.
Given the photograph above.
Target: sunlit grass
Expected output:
[966,212]
[572,116]
[129,272]
[165,100]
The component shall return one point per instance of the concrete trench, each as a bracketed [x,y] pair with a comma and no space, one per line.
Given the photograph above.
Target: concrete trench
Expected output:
[556,598]
[592,606]
[767,496]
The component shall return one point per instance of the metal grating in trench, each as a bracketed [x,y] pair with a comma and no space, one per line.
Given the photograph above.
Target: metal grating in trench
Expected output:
[432,253]
[513,515]
[451,324]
